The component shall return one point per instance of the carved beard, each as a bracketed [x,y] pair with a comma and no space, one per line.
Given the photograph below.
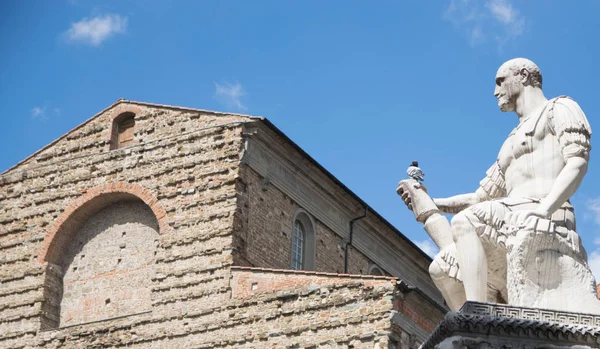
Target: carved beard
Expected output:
[511,91]
[506,105]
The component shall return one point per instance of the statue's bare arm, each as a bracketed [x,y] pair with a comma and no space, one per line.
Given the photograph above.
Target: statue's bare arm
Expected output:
[457,203]
[492,186]
[574,133]
[565,185]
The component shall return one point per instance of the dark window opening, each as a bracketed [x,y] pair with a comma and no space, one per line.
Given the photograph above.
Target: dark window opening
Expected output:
[298,246]
[122,132]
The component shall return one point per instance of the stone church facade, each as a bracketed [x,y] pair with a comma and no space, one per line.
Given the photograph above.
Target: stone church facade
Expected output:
[153,226]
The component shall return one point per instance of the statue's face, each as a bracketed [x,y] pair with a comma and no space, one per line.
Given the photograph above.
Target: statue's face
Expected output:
[508,88]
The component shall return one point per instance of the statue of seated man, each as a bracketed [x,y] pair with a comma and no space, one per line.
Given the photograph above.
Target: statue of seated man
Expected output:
[539,167]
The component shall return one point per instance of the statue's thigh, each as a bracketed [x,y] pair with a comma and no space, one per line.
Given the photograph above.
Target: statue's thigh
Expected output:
[487,219]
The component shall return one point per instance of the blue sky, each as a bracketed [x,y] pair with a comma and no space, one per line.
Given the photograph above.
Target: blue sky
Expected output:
[364,87]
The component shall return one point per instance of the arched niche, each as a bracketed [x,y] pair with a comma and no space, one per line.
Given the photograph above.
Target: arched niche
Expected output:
[99,256]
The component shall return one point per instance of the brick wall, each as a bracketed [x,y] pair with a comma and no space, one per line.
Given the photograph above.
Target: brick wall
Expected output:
[419,311]
[184,171]
[280,167]
[265,231]
[263,309]
[310,310]
[183,166]
[112,249]
[315,309]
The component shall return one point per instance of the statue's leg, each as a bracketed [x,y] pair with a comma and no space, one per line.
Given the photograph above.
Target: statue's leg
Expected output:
[451,288]
[471,256]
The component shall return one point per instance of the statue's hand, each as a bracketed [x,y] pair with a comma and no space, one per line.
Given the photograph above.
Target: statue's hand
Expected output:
[518,219]
[405,195]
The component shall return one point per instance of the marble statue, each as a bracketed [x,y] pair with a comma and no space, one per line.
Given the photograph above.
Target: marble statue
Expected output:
[514,239]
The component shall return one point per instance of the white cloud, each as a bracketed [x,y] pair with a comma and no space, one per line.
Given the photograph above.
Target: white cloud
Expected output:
[593,209]
[38,112]
[94,31]
[230,95]
[504,13]
[495,18]
[502,10]
[428,247]
[477,35]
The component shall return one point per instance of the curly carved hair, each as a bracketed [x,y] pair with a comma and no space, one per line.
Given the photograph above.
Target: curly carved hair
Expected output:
[517,64]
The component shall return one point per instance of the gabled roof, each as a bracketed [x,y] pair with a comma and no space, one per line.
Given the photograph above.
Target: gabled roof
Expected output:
[121,101]
[251,118]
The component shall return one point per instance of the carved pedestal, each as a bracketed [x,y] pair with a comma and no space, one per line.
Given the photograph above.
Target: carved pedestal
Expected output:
[498,326]
[547,268]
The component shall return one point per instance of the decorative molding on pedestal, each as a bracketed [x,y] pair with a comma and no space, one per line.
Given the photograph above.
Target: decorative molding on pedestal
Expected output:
[502,326]
[503,310]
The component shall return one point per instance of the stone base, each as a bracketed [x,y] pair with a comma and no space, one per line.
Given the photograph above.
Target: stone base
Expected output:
[491,326]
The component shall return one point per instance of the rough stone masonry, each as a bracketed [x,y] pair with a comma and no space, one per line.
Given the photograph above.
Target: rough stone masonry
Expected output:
[161,245]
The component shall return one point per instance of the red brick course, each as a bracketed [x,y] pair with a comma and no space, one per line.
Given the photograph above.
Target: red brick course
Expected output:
[415,311]
[124,108]
[322,300]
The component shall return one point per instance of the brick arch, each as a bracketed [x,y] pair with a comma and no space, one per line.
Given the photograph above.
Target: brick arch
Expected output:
[87,204]
[115,116]
[124,108]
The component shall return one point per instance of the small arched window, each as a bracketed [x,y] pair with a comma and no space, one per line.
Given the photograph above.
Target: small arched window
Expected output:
[303,242]
[122,131]
[375,270]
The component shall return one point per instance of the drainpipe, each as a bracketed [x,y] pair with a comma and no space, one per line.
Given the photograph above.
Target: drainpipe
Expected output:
[349,241]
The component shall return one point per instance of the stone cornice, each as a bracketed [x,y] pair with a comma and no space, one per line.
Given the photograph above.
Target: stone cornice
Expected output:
[333,209]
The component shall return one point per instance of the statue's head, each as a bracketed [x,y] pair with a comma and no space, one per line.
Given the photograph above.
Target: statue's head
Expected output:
[512,78]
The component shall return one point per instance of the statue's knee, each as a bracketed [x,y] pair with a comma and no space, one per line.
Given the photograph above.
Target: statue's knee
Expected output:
[459,219]
[435,270]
